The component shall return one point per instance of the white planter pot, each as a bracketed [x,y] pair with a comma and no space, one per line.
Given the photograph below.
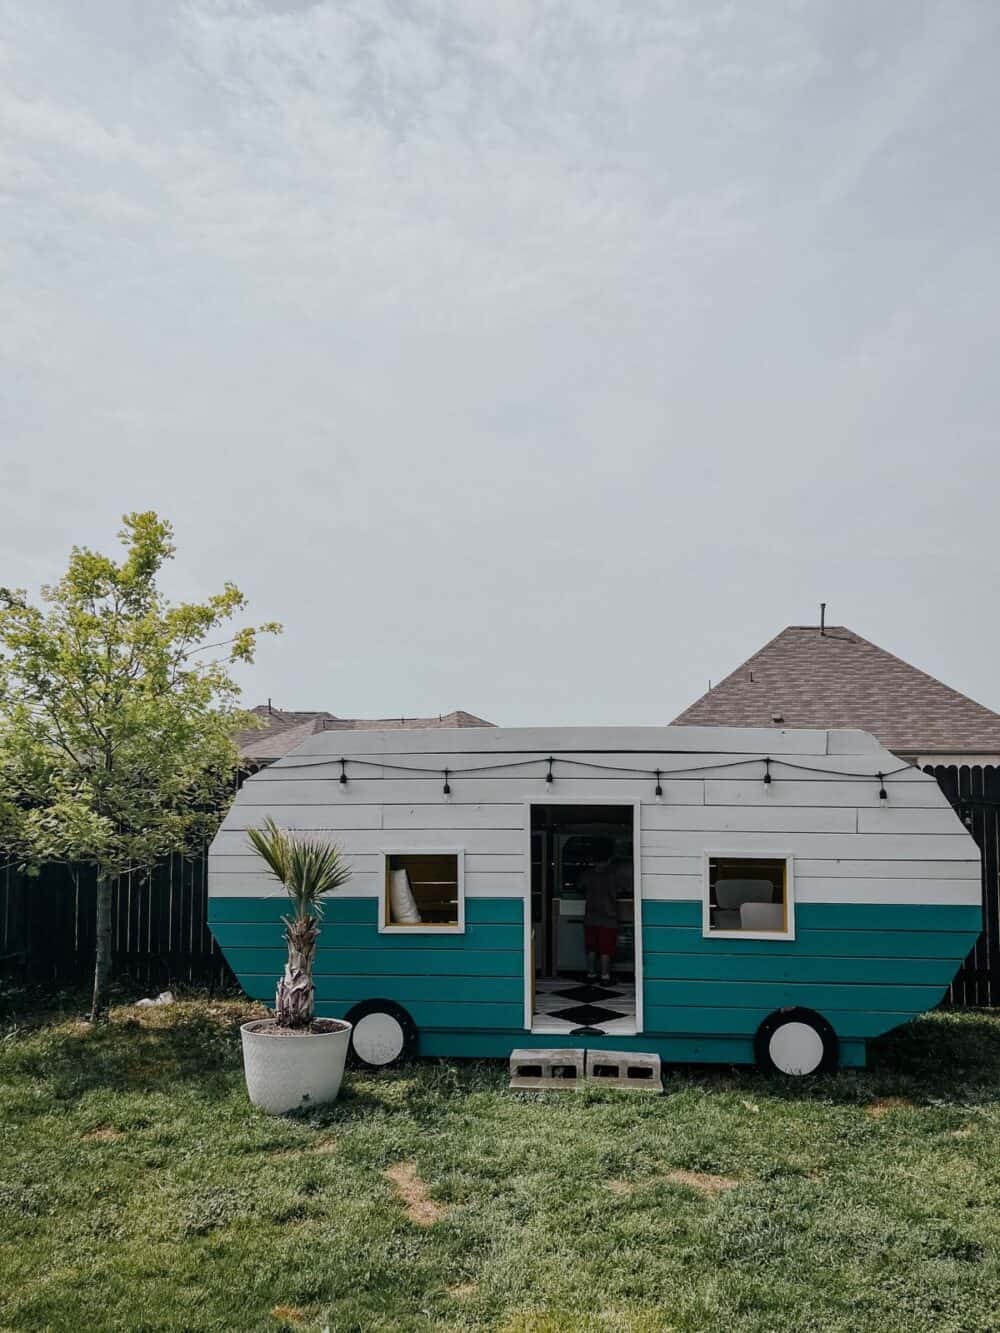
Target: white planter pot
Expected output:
[288,1071]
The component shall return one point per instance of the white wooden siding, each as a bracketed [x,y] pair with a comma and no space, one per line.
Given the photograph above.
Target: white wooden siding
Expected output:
[823,807]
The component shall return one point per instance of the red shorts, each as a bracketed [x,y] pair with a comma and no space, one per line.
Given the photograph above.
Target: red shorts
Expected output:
[601,940]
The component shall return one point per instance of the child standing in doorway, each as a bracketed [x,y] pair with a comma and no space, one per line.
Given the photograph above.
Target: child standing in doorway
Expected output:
[600,912]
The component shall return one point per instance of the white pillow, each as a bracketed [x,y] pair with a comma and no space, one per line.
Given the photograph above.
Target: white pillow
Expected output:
[402,904]
[762,916]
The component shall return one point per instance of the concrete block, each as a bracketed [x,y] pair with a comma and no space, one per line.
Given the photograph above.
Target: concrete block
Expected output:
[547,1070]
[636,1070]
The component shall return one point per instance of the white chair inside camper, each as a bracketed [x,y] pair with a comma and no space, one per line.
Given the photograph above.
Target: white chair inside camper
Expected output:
[731,894]
[762,916]
[402,904]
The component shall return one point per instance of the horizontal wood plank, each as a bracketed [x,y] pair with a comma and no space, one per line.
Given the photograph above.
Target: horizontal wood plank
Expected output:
[466,789]
[828,846]
[714,819]
[804,790]
[378,962]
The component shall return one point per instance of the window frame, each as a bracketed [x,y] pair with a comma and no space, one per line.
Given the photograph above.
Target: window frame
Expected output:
[735,855]
[387,927]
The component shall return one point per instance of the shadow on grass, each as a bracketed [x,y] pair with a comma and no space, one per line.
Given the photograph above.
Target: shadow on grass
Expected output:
[148,1050]
[191,1046]
[945,1057]
[950,1056]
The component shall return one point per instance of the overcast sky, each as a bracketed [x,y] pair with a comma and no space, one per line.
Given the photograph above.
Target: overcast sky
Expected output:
[538,359]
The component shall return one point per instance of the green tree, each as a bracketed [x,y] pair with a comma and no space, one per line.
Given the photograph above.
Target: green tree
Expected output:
[117,714]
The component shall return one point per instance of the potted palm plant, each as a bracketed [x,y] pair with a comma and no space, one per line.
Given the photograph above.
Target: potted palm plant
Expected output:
[296,1059]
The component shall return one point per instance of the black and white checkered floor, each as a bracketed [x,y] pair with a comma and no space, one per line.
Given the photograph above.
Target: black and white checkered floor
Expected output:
[565,1004]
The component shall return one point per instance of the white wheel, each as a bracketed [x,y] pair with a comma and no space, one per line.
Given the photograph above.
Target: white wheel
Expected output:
[796,1048]
[384,1034]
[379,1039]
[796,1041]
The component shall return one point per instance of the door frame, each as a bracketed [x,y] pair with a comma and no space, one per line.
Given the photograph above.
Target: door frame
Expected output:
[529,972]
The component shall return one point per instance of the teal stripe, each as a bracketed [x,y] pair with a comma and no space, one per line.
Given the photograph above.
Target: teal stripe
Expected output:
[839,916]
[478,1020]
[742,1022]
[853,1055]
[813,944]
[440,989]
[271,910]
[679,912]
[385,962]
[889,916]
[775,995]
[495,911]
[705,966]
[334,935]
[499,911]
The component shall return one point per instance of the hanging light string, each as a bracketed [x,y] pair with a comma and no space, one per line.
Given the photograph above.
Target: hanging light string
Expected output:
[689,771]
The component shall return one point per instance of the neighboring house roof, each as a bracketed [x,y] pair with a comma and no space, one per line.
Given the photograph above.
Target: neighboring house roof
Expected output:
[808,678]
[284,730]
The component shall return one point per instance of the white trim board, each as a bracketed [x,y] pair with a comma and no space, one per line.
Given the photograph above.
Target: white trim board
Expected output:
[602,799]
[772,854]
[386,927]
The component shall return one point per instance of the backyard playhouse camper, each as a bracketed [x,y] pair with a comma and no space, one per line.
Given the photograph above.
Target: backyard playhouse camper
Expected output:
[783,896]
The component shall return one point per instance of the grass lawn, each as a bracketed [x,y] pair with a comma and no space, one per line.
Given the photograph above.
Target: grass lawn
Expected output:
[139,1190]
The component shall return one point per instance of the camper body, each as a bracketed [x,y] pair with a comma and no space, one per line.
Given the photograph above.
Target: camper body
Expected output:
[782,896]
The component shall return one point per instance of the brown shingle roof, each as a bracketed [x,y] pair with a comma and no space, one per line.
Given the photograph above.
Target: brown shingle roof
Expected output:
[803,678]
[283,730]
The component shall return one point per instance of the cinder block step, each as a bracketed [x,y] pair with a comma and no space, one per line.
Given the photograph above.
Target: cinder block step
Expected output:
[636,1070]
[548,1070]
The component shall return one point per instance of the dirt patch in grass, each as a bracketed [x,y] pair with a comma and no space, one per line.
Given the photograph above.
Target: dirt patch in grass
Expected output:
[288,1314]
[105,1134]
[463,1291]
[623,1188]
[412,1191]
[883,1105]
[705,1184]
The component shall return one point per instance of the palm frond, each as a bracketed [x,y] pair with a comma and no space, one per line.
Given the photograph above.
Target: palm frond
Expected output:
[308,868]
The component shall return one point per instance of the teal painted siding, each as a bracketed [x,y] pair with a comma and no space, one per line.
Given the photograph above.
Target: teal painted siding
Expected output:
[471,981]
[836,916]
[374,962]
[865,967]
[349,935]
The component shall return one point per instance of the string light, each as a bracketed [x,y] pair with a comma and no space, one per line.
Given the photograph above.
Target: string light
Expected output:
[343,772]
[689,771]
[659,784]
[883,795]
[446,789]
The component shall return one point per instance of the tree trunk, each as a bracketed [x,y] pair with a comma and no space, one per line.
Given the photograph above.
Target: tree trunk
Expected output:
[294,1001]
[102,956]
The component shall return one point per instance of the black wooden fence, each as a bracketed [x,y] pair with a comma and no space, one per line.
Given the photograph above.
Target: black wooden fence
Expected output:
[160,933]
[159,930]
[975,794]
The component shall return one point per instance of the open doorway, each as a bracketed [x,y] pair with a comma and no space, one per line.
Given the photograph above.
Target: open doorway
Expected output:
[571,847]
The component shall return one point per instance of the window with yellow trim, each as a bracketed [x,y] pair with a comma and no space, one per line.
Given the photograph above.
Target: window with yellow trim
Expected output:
[749,895]
[423,892]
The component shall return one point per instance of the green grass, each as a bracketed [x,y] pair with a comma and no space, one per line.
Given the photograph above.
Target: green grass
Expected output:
[139,1190]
